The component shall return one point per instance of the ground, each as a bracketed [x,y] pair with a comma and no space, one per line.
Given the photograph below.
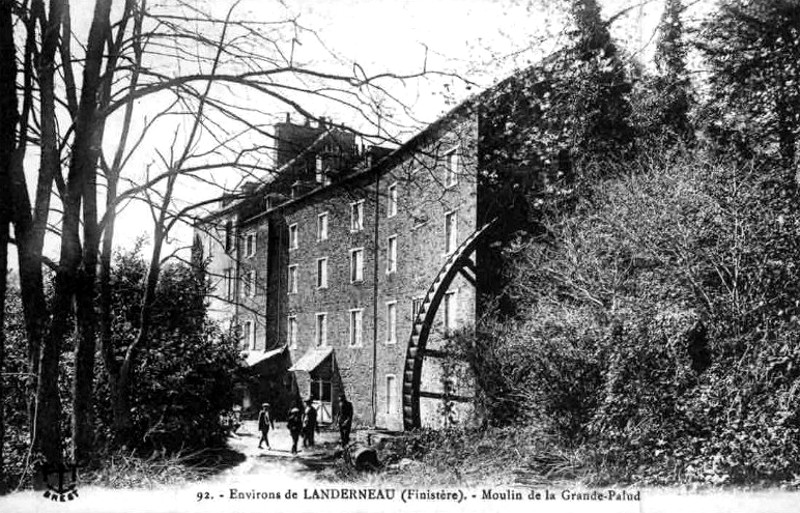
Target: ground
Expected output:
[277,472]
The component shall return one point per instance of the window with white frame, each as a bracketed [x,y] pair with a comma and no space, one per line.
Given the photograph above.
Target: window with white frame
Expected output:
[356,265]
[450,231]
[248,340]
[356,318]
[319,177]
[449,311]
[291,331]
[391,322]
[250,245]
[322,273]
[391,393]
[391,204]
[322,226]
[391,254]
[321,332]
[357,216]
[294,241]
[451,168]
[292,288]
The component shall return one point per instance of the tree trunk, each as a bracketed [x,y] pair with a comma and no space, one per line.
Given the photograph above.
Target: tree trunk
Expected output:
[83,190]
[47,435]
[8,125]
[28,231]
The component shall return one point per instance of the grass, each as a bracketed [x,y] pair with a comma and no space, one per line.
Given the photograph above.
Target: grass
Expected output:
[472,457]
[126,470]
[521,456]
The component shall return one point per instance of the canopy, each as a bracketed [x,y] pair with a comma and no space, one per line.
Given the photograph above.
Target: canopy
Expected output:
[253,358]
[312,359]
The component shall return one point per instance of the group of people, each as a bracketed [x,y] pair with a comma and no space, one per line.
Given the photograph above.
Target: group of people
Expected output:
[305,423]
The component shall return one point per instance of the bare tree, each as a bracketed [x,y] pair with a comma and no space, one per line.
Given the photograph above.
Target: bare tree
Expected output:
[128,66]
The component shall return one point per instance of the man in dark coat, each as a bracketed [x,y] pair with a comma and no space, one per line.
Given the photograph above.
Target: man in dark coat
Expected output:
[345,419]
[309,424]
[295,425]
[264,423]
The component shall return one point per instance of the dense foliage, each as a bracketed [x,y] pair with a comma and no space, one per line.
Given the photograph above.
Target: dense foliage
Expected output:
[185,377]
[658,323]
[753,49]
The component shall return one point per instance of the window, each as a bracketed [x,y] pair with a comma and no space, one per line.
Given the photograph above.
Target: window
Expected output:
[321,335]
[356,317]
[391,394]
[321,390]
[250,283]
[451,168]
[318,175]
[450,232]
[248,340]
[291,331]
[250,245]
[416,304]
[357,216]
[322,273]
[391,322]
[391,254]
[230,285]
[391,205]
[294,243]
[292,279]
[322,226]
[228,236]
[449,311]
[356,265]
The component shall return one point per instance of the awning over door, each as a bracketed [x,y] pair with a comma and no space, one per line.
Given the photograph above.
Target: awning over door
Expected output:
[253,358]
[312,359]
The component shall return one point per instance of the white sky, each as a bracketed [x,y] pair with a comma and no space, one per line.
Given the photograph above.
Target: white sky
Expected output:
[481,40]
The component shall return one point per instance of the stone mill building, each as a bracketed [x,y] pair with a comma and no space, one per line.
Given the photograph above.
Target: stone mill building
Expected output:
[348,268]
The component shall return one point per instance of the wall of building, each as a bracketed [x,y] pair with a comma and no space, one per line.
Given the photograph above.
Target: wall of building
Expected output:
[212,236]
[425,194]
[253,302]
[423,199]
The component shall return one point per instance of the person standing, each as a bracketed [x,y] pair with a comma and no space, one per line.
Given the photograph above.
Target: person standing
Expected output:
[295,425]
[345,419]
[309,424]
[264,423]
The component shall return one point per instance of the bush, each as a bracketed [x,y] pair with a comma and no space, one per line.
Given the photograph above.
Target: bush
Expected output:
[184,378]
[657,324]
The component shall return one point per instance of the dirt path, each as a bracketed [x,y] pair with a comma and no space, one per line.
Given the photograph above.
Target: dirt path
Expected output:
[266,480]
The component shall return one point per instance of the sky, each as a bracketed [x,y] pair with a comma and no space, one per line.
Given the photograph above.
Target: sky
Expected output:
[479,42]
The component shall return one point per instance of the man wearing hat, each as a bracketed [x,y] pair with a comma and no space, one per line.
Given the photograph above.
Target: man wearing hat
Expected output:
[309,424]
[295,425]
[345,419]
[264,423]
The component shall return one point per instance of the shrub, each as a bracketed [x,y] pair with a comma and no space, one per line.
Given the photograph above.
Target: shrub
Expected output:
[657,323]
